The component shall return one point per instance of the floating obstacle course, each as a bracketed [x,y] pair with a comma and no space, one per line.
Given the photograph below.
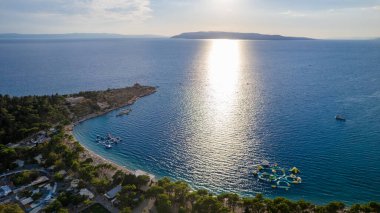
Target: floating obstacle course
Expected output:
[108,140]
[276,175]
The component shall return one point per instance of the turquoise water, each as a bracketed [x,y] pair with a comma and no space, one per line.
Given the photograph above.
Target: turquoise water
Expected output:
[223,106]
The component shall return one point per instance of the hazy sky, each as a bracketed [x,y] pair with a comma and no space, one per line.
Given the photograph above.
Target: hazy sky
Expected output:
[313,18]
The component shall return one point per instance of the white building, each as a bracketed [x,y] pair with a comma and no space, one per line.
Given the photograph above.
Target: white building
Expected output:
[35,210]
[38,158]
[62,172]
[74,183]
[87,193]
[26,201]
[113,192]
[5,190]
[39,180]
[20,163]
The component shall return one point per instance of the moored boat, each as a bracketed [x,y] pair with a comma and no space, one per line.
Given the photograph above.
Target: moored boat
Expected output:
[124,112]
[340,118]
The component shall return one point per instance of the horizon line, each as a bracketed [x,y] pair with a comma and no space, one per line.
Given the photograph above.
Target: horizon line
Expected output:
[147,35]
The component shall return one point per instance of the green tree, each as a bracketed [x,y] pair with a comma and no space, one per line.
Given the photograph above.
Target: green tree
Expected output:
[181,189]
[142,180]
[283,208]
[202,192]
[192,197]
[209,204]
[126,210]
[129,196]
[333,207]
[62,210]
[101,184]
[129,179]
[10,208]
[7,155]
[182,210]
[304,206]
[356,208]
[163,203]
[21,117]
[24,177]
[254,205]
[75,165]
[154,191]
[374,206]
[164,182]
[54,206]
[231,198]
[118,177]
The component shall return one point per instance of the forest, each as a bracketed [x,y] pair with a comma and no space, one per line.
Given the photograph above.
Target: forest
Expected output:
[21,117]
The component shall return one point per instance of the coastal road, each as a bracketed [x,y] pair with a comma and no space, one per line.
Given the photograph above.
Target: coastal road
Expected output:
[106,203]
[27,167]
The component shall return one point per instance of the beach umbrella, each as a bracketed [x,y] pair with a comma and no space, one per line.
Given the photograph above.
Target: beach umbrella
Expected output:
[294,170]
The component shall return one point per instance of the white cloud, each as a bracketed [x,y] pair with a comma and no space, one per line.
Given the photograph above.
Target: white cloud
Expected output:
[376,8]
[293,14]
[118,10]
[315,13]
[59,16]
[348,22]
[130,10]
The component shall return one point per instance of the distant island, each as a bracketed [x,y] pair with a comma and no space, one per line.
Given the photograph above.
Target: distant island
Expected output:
[234,35]
[72,36]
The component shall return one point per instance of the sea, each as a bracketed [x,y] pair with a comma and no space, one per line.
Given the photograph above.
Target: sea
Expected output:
[222,107]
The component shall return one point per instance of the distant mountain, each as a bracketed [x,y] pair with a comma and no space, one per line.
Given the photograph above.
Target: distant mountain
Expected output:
[233,35]
[71,36]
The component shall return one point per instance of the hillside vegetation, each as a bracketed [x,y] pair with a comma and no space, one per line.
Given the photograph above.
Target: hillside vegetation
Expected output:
[21,117]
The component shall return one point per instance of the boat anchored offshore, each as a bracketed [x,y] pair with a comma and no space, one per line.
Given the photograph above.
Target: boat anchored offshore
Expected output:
[124,112]
[107,141]
[340,118]
[278,176]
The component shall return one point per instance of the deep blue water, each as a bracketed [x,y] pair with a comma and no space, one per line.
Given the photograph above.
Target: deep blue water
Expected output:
[223,106]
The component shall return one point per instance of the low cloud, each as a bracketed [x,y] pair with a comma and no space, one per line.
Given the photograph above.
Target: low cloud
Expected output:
[71,14]
[293,14]
[131,10]
[315,13]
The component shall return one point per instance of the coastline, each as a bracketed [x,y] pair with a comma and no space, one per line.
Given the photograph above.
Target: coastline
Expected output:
[88,153]
[103,112]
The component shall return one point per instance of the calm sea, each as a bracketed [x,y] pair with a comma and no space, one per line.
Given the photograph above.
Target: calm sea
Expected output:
[223,106]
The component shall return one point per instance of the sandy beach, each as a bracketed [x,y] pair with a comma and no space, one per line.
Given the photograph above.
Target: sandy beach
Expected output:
[95,157]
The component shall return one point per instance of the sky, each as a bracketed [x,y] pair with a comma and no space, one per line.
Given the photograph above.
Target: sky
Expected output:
[311,18]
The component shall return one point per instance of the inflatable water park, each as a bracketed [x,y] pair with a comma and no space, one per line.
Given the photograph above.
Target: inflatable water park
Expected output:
[277,176]
[107,141]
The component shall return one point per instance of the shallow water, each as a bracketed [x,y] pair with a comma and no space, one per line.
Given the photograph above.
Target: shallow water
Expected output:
[223,106]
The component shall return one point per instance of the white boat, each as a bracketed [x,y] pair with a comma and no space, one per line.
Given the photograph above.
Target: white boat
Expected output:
[340,118]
